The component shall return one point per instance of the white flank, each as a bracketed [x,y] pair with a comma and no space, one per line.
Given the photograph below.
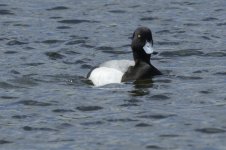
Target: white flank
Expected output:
[121,65]
[103,75]
[148,48]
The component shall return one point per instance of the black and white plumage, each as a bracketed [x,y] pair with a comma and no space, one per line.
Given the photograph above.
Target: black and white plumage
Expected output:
[117,71]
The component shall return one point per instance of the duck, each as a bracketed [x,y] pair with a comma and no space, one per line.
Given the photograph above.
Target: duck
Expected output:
[120,71]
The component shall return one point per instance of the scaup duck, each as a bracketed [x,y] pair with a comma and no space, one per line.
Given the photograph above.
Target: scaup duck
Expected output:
[117,71]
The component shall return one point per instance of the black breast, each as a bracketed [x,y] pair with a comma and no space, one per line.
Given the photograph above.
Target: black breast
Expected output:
[140,71]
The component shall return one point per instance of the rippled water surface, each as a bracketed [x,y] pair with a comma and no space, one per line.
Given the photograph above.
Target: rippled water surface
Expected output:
[48,47]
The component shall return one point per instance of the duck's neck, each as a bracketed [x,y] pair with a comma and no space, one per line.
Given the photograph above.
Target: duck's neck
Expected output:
[141,56]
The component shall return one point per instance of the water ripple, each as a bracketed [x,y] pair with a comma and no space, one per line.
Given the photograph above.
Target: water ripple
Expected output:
[52,41]
[58,8]
[15,42]
[33,64]
[210,130]
[63,27]
[149,18]
[157,116]
[2,5]
[122,120]
[143,125]
[216,54]
[5,85]
[20,116]
[54,55]
[5,142]
[221,24]
[28,128]
[75,42]
[92,123]
[8,97]
[182,53]
[77,21]
[5,12]
[33,103]
[117,11]
[159,97]
[154,147]
[89,108]
[62,110]
[209,19]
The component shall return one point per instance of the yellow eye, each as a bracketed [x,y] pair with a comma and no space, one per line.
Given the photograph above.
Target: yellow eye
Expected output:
[138,36]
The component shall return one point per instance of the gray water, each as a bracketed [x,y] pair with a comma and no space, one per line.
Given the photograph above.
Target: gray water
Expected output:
[48,47]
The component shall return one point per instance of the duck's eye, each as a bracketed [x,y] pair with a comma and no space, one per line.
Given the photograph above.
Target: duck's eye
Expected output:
[138,36]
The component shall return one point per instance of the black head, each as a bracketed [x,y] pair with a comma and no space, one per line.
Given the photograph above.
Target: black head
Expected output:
[142,43]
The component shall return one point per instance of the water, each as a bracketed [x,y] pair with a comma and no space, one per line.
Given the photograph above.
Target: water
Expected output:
[48,47]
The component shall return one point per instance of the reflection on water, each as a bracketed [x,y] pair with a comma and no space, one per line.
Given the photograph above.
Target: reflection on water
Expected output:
[48,47]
